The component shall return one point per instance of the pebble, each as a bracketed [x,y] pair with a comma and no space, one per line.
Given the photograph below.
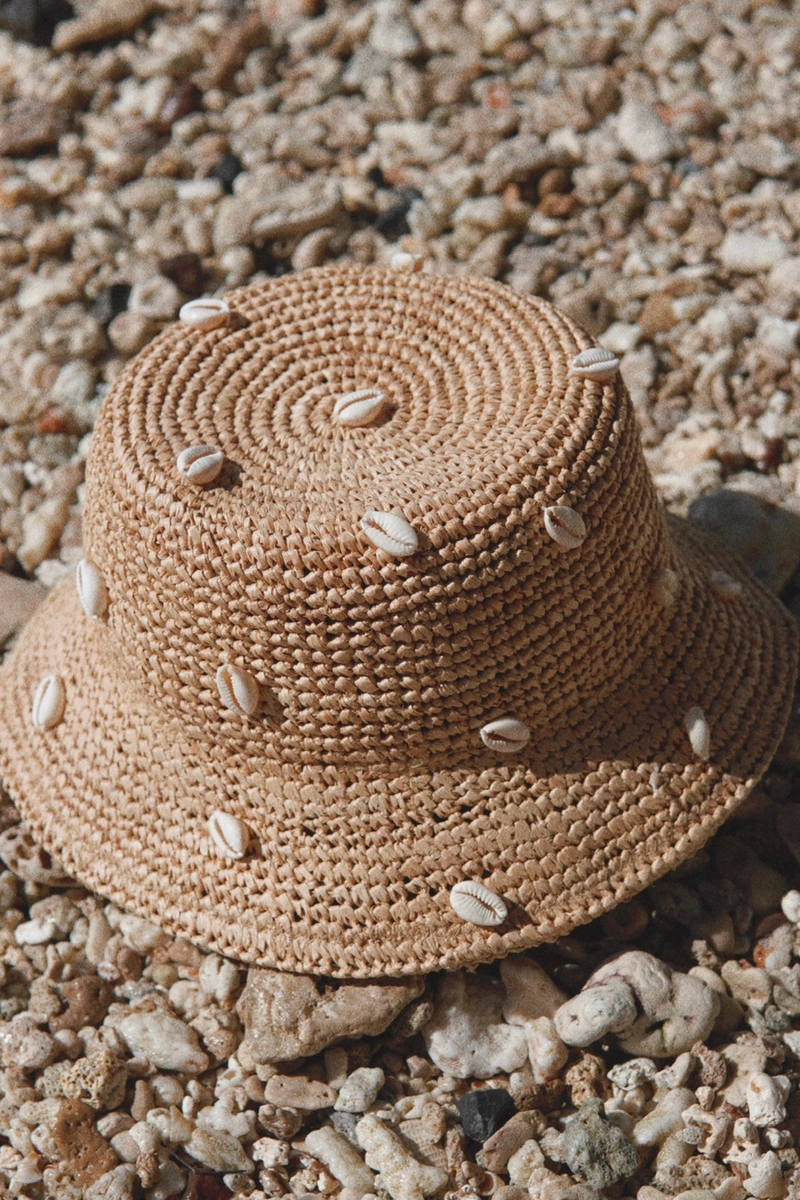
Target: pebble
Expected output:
[524,1161]
[359,1090]
[28,860]
[399,1173]
[99,1079]
[164,1042]
[765,536]
[23,1044]
[285,1016]
[297,1091]
[596,1149]
[530,992]
[748,253]
[217,1150]
[29,126]
[643,134]
[766,1098]
[766,1178]
[102,20]
[594,1012]
[467,1036]
[666,1118]
[19,600]
[498,1149]
[341,1158]
[484,1111]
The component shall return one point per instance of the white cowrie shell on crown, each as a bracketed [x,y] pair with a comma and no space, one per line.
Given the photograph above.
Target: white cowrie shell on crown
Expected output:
[475,902]
[506,736]
[91,588]
[230,835]
[358,408]
[391,533]
[238,689]
[205,313]
[595,363]
[49,701]
[200,464]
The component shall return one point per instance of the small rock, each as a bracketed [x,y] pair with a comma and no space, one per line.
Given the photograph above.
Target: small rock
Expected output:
[766,1098]
[666,1118]
[99,1080]
[41,530]
[403,1177]
[530,992]
[748,253]
[25,1045]
[28,126]
[19,600]
[157,298]
[33,20]
[28,860]
[466,1035]
[525,1161]
[594,1012]
[643,134]
[87,998]
[359,1090]
[87,1153]
[286,1016]
[104,19]
[165,1042]
[391,32]
[596,1149]
[299,209]
[341,1158]
[498,1149]
[297,1091]
[484,1111]
[766,1177]
[116,1184]
[217,1150]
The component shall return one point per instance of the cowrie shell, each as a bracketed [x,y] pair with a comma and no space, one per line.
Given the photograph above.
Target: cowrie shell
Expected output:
[391,533]
[699,733]
[595,363]
[48,704]
[507,735]
[238,689]
[205,313]
[91,588]
[359,408]
[565,526]
[200,464]
[665,587]
[230,835]
[478,904]
[401,260]
[725,586]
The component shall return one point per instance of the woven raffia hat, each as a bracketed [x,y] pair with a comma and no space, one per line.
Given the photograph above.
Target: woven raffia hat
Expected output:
[384,656]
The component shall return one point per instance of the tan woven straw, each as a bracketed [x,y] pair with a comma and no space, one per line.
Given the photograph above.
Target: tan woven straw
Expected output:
[262,679]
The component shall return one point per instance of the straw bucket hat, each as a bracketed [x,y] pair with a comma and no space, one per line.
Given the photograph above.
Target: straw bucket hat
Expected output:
[384,656]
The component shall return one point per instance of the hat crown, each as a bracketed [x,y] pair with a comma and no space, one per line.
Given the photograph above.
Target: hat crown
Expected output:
[361,656]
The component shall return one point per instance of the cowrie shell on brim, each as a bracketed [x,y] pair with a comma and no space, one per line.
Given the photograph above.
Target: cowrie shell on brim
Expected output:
[507,735]
[699,733]
[230,835]
[478,904]
[359,408]
[725,586]
[664,586]
[200,464]
[205,313]
[595,363]
[238,689]
[565,526]
[49,701]
[391,533]
[91,588]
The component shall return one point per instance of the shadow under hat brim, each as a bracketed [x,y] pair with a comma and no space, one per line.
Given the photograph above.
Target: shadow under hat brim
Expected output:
[349,873]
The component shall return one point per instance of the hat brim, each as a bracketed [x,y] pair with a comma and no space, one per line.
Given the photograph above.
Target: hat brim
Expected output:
[350,874]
